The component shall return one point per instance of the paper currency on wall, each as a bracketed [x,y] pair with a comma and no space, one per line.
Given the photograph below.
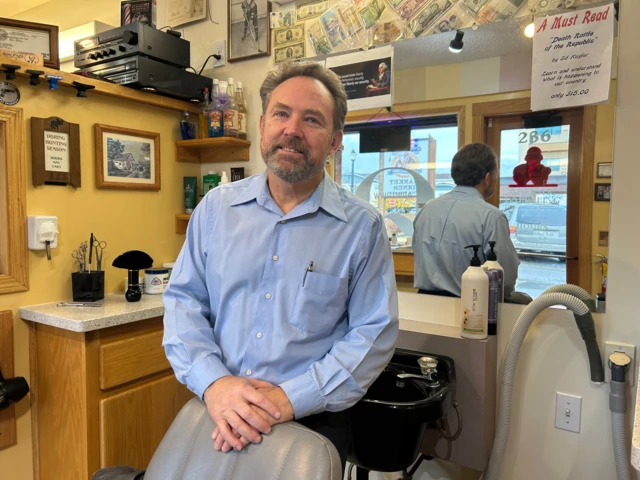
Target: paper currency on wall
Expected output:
[295,51]
[394,4]
[285,35]
[283,18]
[350,19]
[180,12]
[545,6]
[426,17]
[333,29]
[498,10]
[388,32]
[455,18]
[309,10]
[409,8]
[474,5]
[371,12]
[318,39]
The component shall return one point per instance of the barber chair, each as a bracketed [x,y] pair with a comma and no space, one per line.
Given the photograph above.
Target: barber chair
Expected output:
[290,452]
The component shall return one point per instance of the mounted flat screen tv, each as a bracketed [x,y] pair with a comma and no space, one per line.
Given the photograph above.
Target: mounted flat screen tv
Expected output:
[390,138]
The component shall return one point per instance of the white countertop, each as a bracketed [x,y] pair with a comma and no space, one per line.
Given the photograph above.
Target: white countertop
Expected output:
[113,310]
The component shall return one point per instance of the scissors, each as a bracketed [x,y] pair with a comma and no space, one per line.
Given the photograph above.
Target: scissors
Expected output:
[79,256]
[99,246]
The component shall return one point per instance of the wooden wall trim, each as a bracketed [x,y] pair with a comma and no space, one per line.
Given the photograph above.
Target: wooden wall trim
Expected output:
[8,415]
[585,267]
[16,278]
[509,106]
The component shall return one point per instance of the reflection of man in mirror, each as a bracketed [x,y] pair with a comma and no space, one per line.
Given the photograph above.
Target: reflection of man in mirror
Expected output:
[250,12]
[462,217]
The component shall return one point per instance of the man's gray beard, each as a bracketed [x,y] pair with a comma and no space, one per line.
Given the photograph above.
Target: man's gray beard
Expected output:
[299,172]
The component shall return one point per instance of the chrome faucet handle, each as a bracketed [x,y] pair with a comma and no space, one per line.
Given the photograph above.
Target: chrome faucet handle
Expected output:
[428,366]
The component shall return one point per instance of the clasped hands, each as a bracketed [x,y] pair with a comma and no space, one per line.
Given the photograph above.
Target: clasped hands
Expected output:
[243,409]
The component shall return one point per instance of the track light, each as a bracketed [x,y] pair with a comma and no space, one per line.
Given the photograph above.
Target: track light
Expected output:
[456,44]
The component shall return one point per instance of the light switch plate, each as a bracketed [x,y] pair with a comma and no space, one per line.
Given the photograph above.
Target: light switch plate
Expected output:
[220,48]
[626,348]
[568,408]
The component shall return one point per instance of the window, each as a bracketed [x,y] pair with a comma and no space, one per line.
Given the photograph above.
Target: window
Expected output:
[394,192]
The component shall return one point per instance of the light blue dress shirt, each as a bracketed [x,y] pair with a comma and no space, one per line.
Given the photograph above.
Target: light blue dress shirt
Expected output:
[446,225]
[242,300]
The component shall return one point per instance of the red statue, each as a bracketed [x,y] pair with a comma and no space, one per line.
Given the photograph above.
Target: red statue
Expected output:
[533,170]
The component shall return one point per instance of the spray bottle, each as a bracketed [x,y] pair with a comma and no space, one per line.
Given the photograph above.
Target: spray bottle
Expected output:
[474,299]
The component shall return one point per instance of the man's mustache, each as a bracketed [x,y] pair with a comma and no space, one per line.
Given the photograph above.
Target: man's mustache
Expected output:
[293,144]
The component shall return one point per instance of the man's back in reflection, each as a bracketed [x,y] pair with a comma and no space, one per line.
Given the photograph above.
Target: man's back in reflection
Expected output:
[459,218]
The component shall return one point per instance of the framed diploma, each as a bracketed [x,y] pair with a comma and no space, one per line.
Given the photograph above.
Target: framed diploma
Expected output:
[29,37]
[55,152]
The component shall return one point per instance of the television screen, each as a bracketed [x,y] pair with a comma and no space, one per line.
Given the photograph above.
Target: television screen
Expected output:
[396,138]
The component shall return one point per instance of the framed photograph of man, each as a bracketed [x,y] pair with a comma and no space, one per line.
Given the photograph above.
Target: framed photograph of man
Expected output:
[248,34]
[602,192]
[127,159]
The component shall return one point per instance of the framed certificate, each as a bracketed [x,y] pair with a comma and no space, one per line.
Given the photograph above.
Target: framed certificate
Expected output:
[29,37]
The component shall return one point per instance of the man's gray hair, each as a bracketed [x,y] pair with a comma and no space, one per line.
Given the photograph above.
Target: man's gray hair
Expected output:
[384,66]
[471,164]
[287,70]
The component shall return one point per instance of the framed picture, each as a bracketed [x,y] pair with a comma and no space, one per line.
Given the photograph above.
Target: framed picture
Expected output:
[605,170]
[29,37]
[602,192]
[248,34]
[127,159]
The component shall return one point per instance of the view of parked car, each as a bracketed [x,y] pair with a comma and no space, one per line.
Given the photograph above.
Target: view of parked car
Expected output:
[536,227]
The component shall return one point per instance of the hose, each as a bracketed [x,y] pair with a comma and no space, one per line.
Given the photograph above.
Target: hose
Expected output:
[576,291]
[618,405]
[509,369]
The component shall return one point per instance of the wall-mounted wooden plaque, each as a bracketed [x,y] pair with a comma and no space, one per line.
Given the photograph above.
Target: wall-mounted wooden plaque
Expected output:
[55,152]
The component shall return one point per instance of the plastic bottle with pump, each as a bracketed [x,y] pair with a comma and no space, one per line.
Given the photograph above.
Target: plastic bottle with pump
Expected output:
[492,264]
[496,287]
[474,306]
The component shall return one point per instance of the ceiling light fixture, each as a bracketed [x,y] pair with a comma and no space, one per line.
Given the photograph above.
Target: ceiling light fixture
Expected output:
[530,30]
[456,44]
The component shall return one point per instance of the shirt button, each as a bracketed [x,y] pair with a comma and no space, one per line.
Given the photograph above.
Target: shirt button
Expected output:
[259,335]
[275,257]
[248,372]
[267,296]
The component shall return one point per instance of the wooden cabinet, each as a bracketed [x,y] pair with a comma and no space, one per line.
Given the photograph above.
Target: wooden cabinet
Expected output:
[100,398]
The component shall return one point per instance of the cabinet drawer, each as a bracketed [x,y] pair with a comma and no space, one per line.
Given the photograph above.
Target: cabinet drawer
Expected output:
[131,358]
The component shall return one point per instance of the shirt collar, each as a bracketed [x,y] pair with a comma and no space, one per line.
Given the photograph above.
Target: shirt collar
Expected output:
[326,196]
[473,191]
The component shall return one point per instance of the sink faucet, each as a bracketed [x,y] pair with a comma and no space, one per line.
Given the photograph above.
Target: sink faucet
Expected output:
[429,369]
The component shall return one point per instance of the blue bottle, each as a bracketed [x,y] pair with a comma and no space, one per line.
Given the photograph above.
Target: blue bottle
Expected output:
[216,117]
[187,129]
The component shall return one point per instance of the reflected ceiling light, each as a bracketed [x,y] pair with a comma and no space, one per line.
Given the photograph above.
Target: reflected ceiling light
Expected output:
[529,30]
[456,44]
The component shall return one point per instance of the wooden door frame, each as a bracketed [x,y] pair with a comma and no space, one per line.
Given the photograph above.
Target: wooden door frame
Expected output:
[482,111]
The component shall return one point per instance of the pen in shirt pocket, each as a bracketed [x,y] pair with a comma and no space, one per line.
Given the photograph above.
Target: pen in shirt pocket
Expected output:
[309,269]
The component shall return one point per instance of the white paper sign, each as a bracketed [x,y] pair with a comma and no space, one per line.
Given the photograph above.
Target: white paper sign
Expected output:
[572,58]
[367,77]
[56,151]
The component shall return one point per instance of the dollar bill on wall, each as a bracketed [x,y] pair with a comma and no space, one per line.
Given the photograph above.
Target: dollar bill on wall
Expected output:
[309,10]
[474,5]
[284,35]
[395,4]
[426,17]
[455,18]
[295,51]
[283,18]
[332,27]
[498,10]
[409,8]
[350,19]
[371,12]
[545,6]
[318,39]
[389,32]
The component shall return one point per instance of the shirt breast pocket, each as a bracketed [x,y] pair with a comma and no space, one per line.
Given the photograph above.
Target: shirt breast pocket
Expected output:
[320,302]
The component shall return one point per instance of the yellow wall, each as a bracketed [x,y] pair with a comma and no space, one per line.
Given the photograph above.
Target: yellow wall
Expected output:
[125,219]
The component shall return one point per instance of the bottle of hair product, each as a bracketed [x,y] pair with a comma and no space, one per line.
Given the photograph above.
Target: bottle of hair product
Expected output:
[496,287]
[242,112]
[187,129]
[209,182]
[203,118]
[492,264]
[474,299]
[230,112]
[224,179]
[216,124]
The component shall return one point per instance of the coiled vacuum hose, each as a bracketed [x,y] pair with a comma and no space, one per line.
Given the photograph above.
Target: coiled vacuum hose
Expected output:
[576,291]
[587,329]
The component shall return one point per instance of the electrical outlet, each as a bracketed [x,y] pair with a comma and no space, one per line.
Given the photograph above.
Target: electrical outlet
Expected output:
[220,48]
[626,348]
[568,409]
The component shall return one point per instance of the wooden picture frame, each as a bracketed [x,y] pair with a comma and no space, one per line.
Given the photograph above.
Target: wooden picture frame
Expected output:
[604,170]
[36,33]
[602,192]
[55,152]
[243,20]
[127,159]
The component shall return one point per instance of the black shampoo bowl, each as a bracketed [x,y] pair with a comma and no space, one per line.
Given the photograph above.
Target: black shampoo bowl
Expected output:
[388,424]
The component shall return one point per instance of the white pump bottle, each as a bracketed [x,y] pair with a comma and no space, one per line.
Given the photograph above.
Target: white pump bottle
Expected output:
[474,308]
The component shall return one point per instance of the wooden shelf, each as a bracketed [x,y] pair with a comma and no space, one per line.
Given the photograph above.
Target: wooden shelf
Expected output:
[213,150]
[182,220]
[105,88]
